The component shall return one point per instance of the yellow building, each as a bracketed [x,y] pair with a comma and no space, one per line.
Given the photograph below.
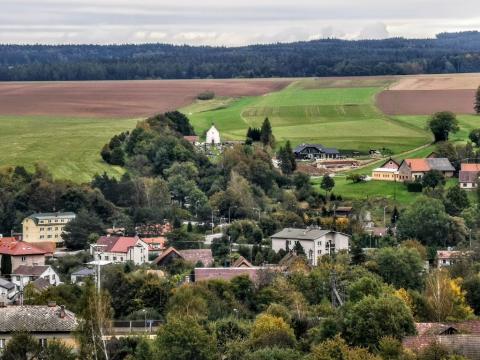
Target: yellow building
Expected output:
[46,227]
[385,174]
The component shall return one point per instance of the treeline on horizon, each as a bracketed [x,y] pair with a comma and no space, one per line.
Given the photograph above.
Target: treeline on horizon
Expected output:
[447,53]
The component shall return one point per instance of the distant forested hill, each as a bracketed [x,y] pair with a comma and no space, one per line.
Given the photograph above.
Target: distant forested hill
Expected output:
[447,53]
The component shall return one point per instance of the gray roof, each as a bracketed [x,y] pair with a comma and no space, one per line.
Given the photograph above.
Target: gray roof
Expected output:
[319,147]
[36,319]
[47,216]
[6,284]
[84,272]
[440,164]
[36,270]
[300,234]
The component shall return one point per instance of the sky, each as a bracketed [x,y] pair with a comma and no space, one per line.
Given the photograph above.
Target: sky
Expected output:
[228,22]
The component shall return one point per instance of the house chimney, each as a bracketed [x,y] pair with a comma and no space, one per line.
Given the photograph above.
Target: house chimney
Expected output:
[52,304]
[62,312]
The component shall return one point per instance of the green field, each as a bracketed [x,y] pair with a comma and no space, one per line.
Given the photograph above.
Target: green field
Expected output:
[312,111]
[466,123]
[69,146]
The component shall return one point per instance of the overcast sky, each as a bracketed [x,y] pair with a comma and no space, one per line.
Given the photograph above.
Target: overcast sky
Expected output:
[228,22]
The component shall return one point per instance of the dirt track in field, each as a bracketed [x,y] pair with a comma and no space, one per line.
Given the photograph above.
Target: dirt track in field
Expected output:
[120,99]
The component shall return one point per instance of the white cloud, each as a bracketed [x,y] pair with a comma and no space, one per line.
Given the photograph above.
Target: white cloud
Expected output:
[228,22]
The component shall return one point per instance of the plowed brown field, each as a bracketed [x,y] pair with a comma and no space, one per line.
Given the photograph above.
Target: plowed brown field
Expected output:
[427,94]
[122,99]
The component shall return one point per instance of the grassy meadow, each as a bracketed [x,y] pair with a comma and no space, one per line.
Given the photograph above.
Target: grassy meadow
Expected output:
[313,111]
[69,146]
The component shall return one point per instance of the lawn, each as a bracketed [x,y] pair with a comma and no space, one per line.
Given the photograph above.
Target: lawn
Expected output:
[69,146]
[342,117]
[466,123]
[395,192]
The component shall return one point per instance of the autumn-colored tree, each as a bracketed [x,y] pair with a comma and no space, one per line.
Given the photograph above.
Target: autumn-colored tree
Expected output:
[445,297]
[268,331]
[337,349]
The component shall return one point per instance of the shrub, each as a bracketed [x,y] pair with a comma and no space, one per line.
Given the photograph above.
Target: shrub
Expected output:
[206,95]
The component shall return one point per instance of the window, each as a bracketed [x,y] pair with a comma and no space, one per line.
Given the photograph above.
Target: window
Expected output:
[319,243]
[42,237]
[106,257]
[43,342]
[17,278]
[2,343]
[319,252]
[24,258]
[49,236]
[121,259]
[49,229]
[56,228]
[114,258]
[42,229]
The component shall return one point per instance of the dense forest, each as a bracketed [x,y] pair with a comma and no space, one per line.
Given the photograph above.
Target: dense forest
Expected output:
[447,53]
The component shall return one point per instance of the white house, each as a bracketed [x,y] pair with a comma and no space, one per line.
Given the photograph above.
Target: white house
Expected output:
[315,242]
[120,249]
[213,136]
[25,274]
[7,291]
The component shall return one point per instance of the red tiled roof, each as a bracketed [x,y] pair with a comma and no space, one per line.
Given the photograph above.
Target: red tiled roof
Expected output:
[470,167]
[418,164]
[160,240]
[450,254]
[10,246]
[117,244]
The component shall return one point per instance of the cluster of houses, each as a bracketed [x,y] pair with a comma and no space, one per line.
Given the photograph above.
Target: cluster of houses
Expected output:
[414,169]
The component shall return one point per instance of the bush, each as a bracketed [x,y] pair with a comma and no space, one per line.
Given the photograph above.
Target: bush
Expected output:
[206,95]
[414,187]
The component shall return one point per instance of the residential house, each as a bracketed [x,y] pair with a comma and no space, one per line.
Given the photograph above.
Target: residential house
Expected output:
[21,252]
[155,244]
[462,338]
[415,169]
[79,276]
[43,227]
[450,257]
[388,171]
[192,256]
[213,136]
[242,262]
[7,291]
[120,249]
[314,241]
[192,139]
[315,151]
[469,176]
[23,275]
[44,323]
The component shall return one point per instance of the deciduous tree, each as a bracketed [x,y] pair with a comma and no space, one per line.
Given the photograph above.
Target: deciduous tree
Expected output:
[442,124]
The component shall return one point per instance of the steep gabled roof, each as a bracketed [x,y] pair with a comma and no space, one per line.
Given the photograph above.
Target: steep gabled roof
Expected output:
[440,164]
[242,262]
[388,160]
[301,147]
[192,256]
[117,244]
[420,165]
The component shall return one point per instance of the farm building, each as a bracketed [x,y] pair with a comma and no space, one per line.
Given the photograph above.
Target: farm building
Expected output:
[384,174]
[315,151]
[415,169]
[213,136]
[469,175]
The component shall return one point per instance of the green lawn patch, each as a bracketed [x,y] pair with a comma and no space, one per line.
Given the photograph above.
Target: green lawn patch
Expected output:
[69,146]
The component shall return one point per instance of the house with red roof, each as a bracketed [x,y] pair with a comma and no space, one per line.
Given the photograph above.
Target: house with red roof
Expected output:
[469,175]
[415,169]
[155,244]
[21,252]
[120,249]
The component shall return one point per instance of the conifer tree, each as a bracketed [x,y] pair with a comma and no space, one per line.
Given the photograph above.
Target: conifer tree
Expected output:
[266,134]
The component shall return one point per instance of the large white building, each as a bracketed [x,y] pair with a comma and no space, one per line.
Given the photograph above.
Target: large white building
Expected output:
[213,136]
[315,242]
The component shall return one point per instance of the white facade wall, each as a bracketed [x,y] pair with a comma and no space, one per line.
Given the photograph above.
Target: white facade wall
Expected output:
[138,254]
[213,136]
[315,249]
[22,280]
